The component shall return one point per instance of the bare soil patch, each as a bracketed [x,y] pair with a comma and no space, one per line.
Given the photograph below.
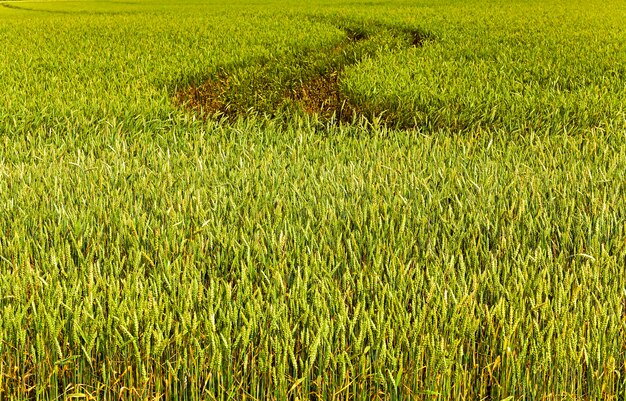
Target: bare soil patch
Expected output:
[319,94]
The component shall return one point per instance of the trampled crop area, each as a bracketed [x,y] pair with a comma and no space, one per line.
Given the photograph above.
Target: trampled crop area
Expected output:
[337,200]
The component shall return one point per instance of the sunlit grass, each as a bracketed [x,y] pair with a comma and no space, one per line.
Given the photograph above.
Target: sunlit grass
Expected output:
[146,252]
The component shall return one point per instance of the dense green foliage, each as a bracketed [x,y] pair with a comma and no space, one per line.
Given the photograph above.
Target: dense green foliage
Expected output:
[146,252]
